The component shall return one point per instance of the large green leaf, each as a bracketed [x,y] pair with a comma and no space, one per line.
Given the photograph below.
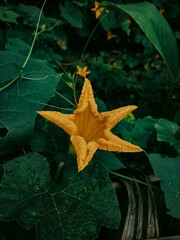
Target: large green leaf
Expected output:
[166,131]
[73,209]
[19,101]
[70,12]
[168,169]
[156,29]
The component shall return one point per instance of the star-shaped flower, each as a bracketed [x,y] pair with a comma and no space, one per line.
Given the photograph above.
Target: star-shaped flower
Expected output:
[82,71]
[98,10]
[89,129]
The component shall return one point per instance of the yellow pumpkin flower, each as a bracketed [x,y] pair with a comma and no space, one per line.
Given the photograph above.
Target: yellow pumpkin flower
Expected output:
[98,10]
[82,71]
[110,35]
[89,129]
[162,11]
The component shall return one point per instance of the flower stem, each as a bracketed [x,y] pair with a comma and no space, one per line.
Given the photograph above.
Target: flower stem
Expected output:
[65,98]
[58,172]
[74,91]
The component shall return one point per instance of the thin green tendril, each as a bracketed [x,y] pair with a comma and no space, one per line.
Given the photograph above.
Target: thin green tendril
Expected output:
[30,51]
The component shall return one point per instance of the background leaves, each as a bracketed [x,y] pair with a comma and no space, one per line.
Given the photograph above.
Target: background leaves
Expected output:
[71,14]
[157,30]
[6,15]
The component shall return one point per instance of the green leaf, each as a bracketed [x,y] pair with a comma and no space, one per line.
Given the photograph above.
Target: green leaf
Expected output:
[108,160]
[12,230]
[75,209]
[3,35]
[156,28]
[136,131]
[167,169]
[21,100]
[25,177]
[71,14]
[7,15]
[142,131]
[108,22]
[30,16]
[166,131]
[38,142]
[101,105]
[17,45]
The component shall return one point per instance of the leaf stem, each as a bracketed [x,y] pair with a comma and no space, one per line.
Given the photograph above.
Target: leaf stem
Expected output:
[131,179]
[34,79]
[65,98]
[9,84]
[35,36]
[46,104]
[84,49]
[30,51]
[74,90]
[89,38]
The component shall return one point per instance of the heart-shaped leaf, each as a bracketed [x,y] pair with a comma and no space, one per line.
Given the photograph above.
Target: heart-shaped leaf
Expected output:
[21,99]
[73,209]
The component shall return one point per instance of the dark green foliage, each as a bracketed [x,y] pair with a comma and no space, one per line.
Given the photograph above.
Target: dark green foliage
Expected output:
[157,30]
[168,131]
[42,195]
[21,95]
[168,171]
[74,208]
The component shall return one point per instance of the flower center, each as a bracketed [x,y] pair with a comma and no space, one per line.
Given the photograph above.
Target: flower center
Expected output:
[90,126]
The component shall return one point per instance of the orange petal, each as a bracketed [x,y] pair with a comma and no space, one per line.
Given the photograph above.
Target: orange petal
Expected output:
[84,69]
[98,12]
[96,5]
[114,143]
[114,116]
[110,35]
[64,121]
[87,97]
[83,150]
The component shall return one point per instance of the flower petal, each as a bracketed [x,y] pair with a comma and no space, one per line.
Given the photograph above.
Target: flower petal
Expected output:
[113,143]
[114,116]
[64,121]
[110,35]
[86,98]
[83,150]
[96,5]
[82,71]
[98,12]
